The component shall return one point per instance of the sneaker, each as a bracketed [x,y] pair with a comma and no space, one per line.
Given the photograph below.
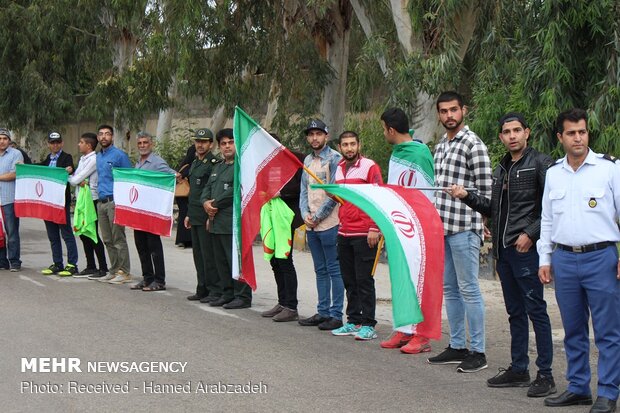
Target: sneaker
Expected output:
[85,273]
[105,278]
[120,278]
[52,269]
[286,315]
[473,362]
[98,275]
[449,356]
[416,345]
[542,386]
[16,268]
[366,333]
[349,329]
[396,340]
[509,378]
[330,324]
[69,270]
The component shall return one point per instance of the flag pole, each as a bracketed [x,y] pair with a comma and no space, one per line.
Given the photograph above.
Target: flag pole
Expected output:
[379,248]
[440,188]
[320,181]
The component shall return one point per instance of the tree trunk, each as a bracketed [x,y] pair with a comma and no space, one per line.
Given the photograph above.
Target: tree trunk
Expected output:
[272,107]
[218,120]
[334,48]
[367,26]
[164,121]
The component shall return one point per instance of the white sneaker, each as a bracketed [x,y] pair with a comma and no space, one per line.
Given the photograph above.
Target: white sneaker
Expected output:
[107,278]
[120,278]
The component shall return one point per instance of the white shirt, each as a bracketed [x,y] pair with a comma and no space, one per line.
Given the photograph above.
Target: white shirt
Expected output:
[86,169]
[579,207]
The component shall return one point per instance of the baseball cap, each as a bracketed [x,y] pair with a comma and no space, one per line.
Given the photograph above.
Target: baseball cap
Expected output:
[316,124]
[203,134]
[512,116]
[54,137]
[5,132]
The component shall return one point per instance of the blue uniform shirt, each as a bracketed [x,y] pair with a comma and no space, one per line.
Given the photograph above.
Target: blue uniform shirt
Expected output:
[579,207]
[109,158]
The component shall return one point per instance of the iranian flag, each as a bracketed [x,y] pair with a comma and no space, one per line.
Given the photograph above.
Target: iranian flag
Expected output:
[411,166]
[413,234]
[144,200]
[262,167]
[40,192]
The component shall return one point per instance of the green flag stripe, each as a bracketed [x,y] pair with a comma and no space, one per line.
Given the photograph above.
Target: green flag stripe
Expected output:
[153,179]
[409,313]
[56,175]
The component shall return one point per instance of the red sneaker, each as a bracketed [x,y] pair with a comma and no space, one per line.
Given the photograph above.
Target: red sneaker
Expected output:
[396,340]
[419,344]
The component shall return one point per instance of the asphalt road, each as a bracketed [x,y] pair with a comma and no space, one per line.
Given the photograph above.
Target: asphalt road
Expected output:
[222,360]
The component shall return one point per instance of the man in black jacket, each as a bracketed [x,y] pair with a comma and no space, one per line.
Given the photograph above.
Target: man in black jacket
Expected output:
[59,159]
[515,208]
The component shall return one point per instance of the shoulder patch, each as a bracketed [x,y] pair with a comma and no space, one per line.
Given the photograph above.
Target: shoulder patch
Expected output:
[610,157]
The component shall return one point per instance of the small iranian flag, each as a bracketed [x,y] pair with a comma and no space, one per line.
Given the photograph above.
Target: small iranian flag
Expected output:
[40,192]
[144,200]
[413,235]
[262,167]
[411,166]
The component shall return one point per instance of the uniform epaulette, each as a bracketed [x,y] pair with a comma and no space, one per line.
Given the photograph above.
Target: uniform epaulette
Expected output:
[610,157]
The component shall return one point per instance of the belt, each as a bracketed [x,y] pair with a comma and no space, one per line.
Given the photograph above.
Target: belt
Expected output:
[586,248]
[106,199]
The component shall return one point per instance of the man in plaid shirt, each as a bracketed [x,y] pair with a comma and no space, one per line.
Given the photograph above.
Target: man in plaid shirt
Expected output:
[461,158]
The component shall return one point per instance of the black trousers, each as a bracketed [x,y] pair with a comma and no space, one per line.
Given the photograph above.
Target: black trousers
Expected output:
[184,235]
[207,280]
[286,279]
[151,255]
[90,249]
[356,262]
[231,288]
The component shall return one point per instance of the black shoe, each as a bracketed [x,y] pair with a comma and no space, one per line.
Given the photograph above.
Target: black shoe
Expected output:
[208,299]
[313,321]
[542,386]
[473,362]
[569,399]
[195,297]
[509,378]
[603,405]
[220,302]
[86,272]
[449,356]
[330,324]
[236,304]
[98,275]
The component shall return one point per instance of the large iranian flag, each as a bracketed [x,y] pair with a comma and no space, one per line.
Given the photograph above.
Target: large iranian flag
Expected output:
[40,192]
[262,167]
[411,166]
[413,235]
[144,200]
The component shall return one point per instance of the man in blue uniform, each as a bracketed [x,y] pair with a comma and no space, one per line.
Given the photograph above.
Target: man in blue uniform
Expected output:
[577,248]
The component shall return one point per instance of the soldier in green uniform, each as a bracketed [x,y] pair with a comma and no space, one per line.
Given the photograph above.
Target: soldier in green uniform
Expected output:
[218,203]
[208,288]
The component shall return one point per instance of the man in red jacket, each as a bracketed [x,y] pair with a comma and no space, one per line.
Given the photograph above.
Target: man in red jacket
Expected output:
[357,242]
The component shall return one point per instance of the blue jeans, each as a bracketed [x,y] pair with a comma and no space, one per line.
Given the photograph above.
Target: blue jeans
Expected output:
[329,285]
[523,296]
[54,232]
[12,248]
[462,291]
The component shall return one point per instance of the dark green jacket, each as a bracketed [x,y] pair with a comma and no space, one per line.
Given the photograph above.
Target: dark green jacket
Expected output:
[199,173]
[220,188]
